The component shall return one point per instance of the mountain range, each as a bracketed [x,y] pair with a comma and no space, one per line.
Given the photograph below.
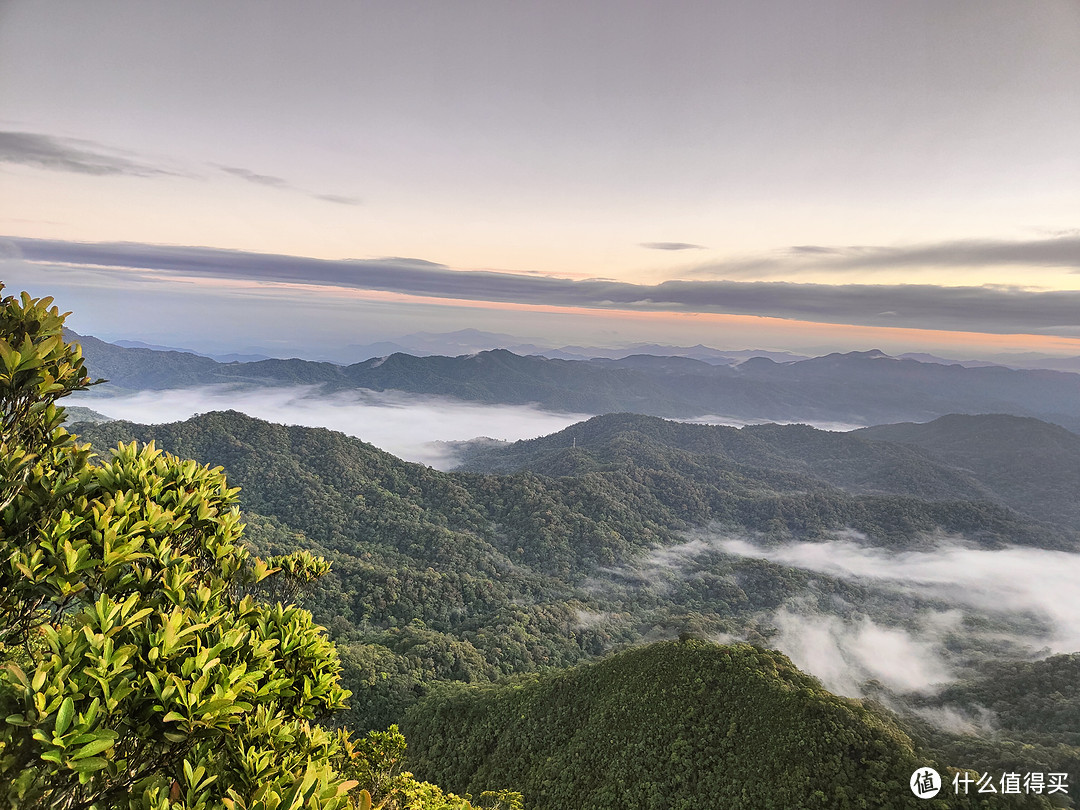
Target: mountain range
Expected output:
[559,550]
[471,341]
[855,389]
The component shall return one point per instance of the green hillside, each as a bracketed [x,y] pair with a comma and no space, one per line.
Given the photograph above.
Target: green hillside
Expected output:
[723,474]
[470,576]
[1035,711]
[679,725]
[1032,466]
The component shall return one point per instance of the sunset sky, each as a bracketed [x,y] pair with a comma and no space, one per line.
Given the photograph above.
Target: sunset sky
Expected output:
[797,175]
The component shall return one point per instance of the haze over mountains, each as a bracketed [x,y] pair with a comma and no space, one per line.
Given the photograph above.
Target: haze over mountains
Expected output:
[856,389]
[471,341]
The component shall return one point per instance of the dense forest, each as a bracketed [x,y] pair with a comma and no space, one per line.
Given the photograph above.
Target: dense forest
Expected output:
[162,649]
[720,726]
[545,559]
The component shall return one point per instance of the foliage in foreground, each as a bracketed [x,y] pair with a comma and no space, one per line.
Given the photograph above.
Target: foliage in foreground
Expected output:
[139,666]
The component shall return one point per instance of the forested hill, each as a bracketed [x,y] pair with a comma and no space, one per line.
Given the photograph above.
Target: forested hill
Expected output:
[1032,466]
[684,724]
[630,483]
[859,387]
[471,576]
[633,483]
[1036,708]
[1026,465]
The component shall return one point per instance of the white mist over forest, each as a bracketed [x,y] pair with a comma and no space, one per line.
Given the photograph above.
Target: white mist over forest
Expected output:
[1015,581]
[956,598]
[407,425]
[1032,588]
[411,426]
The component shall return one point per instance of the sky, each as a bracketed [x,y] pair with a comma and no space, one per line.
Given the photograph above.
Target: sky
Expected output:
[836,175]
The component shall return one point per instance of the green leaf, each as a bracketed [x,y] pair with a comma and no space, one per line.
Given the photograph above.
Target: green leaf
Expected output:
[54,756]
[16,672]
[92,748]
[88,765]
[63,717]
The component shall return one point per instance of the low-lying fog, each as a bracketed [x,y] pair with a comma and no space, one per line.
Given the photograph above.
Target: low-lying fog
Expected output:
[1041,583]
[407,425]
[958,603]
[731,421]
[411,426]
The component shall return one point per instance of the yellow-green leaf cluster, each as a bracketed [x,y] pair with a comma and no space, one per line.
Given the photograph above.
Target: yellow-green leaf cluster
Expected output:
[136,667]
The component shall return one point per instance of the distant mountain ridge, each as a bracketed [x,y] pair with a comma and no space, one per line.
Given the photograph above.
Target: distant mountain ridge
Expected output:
[470,341]
[233,357]
[858,388]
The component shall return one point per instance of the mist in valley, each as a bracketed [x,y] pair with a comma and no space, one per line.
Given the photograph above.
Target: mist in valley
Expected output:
[911,623]
[1037,585]
[411,427]
[414,427]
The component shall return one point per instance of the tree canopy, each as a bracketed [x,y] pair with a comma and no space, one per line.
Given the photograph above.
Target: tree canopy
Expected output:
[142,663]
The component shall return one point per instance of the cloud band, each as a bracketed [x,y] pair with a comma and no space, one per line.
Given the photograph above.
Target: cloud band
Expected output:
[990,309]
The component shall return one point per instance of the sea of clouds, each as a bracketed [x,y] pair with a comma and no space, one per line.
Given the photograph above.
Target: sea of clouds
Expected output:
[408,425]
[411,426]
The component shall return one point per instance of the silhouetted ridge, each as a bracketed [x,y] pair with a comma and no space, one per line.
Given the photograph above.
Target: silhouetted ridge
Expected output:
[854,388]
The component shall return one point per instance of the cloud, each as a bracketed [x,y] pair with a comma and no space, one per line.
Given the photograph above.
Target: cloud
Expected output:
[1036,582]
[406,425]
[989,309]
[1061,250]
[823,633]
[338,199]
[1058,252]
[671,246]
[259,179]
[917,621]
[69,155]
[844,655]
[88,157]
[272,181]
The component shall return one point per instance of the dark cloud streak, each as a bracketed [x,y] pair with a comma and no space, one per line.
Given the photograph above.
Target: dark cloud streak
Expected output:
[258,179]
[1059,251]
[1000,310]
[87,157]
[271,181]
[339,199]
[671,246]
[69,155]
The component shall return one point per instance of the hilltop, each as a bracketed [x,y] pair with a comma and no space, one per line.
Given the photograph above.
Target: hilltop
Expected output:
[680,724]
